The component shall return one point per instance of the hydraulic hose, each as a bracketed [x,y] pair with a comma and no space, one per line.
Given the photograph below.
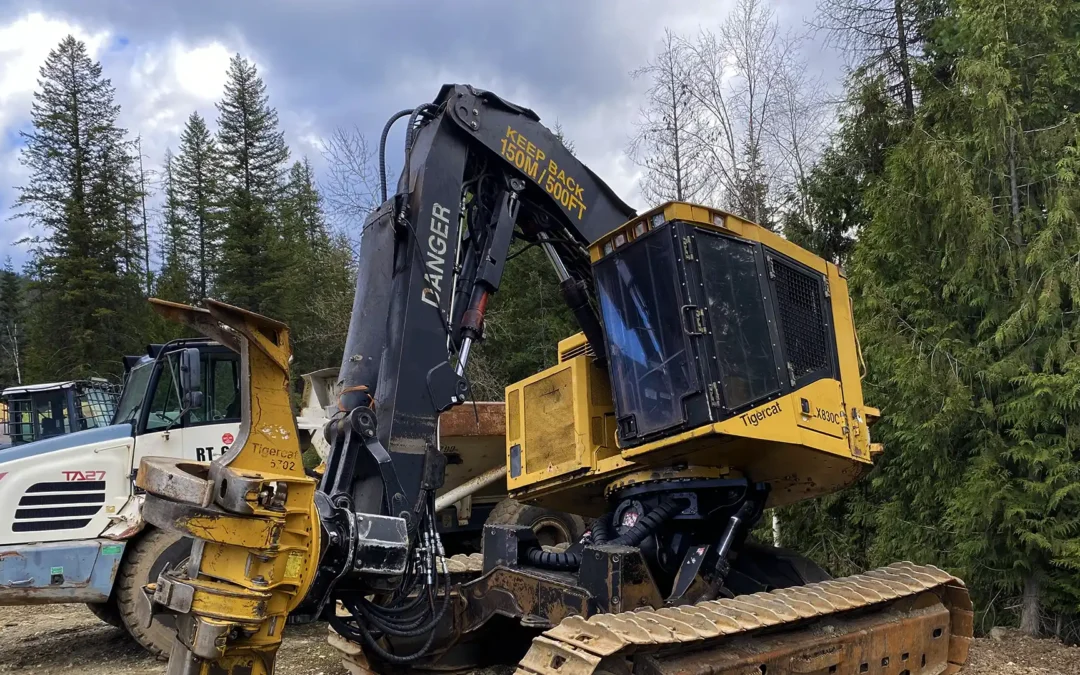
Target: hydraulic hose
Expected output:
[382,147]
[646,525]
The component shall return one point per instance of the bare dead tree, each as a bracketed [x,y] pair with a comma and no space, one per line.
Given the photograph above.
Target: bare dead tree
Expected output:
[799,126]
[350,188]
[878,36]
[10,342]
[739,76]
[668,142]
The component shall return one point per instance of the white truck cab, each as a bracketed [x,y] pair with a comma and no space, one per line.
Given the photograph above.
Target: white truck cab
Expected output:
[70,523]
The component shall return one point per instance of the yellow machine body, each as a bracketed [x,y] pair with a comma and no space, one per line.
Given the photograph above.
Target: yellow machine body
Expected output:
[562,448]
[250,513]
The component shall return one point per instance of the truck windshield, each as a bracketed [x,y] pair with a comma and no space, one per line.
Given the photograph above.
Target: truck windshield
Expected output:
[131,400]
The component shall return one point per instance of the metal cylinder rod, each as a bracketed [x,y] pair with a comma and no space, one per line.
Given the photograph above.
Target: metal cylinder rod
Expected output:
[469,487]
[463,355]
[553,256]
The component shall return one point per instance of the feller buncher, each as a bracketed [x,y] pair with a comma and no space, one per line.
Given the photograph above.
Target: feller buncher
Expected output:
[716,374]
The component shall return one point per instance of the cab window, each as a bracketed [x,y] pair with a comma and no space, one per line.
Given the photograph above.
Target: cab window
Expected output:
[223,400]
[165,405]
[52,412]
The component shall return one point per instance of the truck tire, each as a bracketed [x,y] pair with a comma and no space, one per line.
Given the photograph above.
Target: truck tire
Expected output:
[551,527]
[144,560]
[108,612]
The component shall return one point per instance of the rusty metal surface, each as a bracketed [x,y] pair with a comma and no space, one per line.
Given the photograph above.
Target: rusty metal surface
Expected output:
[519,593]
[474,419]
[911,610]
[250,511]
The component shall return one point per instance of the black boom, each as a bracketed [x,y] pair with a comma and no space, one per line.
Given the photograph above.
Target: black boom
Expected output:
[479,172]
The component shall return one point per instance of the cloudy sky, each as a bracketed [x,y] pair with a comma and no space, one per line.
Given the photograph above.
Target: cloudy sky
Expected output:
[329,63]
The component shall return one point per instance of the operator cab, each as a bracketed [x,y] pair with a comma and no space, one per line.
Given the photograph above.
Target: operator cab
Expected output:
[37,411]
[170,416]
[703,324]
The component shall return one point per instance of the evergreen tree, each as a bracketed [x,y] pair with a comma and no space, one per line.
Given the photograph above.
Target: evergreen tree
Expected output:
[854,160]
[175,281]
[197,178]
[967,279]
[82,195]
[319,280]
[523,325]
[253,155]
[12,326]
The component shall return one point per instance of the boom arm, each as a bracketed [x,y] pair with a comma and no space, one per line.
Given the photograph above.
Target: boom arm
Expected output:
[479,171]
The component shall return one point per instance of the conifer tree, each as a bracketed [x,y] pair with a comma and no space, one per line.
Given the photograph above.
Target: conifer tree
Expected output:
[253,155]
[197,182]
[175,281]
[82,198]
[967,281]
[318,282]
[12,326]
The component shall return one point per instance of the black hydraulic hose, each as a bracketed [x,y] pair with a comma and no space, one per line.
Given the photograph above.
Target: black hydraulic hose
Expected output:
[361,632]
[645,526]
[553,561]
[409,131]
[382,147]
[601,530]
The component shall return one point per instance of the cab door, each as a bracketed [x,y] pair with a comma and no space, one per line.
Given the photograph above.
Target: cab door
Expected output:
[201,434]
[209,431]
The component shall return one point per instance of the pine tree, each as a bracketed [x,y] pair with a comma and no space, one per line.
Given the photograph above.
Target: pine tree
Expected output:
[319,280]
[82,196]
[253,154]
[175,281]
[12,326]
[197,178]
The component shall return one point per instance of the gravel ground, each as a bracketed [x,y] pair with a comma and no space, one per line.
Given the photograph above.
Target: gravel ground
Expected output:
[68,639]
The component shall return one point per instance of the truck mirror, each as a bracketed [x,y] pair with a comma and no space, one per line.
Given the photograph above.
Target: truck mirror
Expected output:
[191,378]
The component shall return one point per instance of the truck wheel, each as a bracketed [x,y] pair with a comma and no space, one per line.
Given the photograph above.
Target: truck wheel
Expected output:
[108,612]
[144,560]
[551,527]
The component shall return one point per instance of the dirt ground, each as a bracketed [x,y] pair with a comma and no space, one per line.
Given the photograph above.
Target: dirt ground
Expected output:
[68,639]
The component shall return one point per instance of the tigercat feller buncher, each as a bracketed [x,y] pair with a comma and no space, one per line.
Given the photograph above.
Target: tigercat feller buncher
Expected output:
[716,374]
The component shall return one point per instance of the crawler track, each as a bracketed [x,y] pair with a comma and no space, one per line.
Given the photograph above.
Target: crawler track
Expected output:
[902,619]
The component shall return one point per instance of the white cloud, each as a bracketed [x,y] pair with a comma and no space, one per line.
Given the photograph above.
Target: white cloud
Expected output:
[201,71]
[24,44]
[158,84]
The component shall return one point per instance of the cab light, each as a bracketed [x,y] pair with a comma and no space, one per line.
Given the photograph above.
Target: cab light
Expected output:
[657,219]
[620,239]
[718,220]
[640,228]
[608,248]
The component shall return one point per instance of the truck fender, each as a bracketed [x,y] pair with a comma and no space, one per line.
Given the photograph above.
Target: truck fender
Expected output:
[128,521]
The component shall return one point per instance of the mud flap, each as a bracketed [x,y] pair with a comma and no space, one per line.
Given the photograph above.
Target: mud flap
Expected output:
[64,571]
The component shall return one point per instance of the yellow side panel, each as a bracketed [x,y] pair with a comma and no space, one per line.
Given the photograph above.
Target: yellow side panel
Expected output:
[549,422]
[513,415]
[823,411]
[847,350]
